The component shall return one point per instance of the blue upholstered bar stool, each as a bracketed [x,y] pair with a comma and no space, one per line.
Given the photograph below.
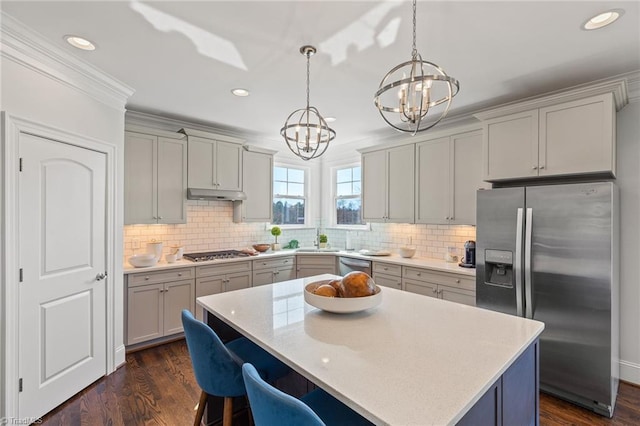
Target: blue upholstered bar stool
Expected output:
[218,367]
[271,406]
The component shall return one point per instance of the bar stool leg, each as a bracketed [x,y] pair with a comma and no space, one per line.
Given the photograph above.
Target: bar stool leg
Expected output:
[227,414]
[200,413]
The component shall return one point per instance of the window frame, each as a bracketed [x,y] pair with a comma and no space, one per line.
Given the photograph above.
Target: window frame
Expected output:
[334,197]
[305,197]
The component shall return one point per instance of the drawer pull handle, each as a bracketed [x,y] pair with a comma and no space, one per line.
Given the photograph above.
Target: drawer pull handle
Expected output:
[385,268]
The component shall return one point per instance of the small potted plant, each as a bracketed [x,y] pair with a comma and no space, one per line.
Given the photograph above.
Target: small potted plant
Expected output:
[276,231]
[322,239]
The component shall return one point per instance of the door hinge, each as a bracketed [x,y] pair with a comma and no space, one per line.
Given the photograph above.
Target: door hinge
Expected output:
[20,385]
[21,276]
[20,164]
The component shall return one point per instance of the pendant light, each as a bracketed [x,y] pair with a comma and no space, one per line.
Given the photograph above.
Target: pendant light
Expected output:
[412,90]
[305,130]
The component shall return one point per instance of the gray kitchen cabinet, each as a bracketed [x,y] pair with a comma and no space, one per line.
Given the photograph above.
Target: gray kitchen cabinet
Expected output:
[257,182]
[155,178]
[154,304]
[269,271]
[309,265]
[213,279]
[387,274]
[448,174]
[214,164]
[557,139]
[453,287]
[388,184]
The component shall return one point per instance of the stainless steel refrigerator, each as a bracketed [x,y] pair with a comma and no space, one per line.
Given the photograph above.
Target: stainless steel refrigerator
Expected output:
[551,253]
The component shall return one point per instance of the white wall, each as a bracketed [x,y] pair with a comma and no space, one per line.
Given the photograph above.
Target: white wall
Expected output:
[56,90]
[628,181]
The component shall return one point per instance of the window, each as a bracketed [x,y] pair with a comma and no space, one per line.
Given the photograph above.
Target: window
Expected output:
[289,196]
[348,200]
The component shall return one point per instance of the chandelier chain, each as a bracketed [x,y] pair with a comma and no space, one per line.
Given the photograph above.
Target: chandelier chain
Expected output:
[414,52]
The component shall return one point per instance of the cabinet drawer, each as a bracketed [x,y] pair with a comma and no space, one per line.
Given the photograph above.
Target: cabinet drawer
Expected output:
[317,260]
[387,268]
[453,280]
[160,276]
[420,287]
[383,280]
[225,268]
[274,263]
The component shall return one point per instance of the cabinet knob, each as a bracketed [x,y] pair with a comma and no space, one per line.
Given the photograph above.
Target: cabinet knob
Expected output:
[535,167]
[447,218]
[385,268]
[264,263]
[399,284]
[160,217]
[419,274]
[435,291]
[286,261]
[458,281]
[541,167]
[146,278]
[179,274]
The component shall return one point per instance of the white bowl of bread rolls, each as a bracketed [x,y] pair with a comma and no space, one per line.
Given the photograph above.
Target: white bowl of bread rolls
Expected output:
[355,292]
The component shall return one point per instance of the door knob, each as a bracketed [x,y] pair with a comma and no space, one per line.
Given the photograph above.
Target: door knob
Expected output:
[101,276]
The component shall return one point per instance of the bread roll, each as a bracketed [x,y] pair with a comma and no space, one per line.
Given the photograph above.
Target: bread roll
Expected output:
[357,284]
[326,290]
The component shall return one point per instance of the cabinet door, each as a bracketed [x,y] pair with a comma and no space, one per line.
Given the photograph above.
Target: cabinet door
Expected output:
[144,313]
[140,173]
[257,183]
[511,146]
[200,163]
[374,186]
[309,271]
[466,297]
[263,277]
[207,286]
[172,180]
[578,137]
[400,187]
[420,287]
[228,166]
[387,281]
[433,181]
[177,296]
[286,273]
[238,281]
[466,177]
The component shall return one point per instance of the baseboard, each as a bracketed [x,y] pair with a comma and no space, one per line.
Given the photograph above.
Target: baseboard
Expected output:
[630,372]
[119,357]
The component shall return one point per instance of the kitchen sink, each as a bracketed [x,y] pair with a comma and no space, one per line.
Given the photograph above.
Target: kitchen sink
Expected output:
[317,250]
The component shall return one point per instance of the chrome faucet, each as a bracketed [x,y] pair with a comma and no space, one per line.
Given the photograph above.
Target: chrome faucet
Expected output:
[316,242]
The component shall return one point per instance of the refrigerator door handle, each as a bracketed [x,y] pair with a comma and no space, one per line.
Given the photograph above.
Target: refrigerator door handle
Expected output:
[518,263]
[528,296]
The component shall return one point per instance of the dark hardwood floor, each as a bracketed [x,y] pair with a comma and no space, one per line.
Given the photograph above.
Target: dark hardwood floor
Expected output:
[157,387]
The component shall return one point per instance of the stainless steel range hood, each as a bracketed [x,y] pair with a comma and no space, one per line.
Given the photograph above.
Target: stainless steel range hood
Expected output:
[215,195]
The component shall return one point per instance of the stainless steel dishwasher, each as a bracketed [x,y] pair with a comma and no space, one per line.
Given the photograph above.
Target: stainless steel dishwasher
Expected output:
[348,264]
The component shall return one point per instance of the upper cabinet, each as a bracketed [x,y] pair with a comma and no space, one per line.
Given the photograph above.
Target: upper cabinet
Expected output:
[448,174]
[155,178]
[257,181]
[575,137]
[215,162]
[388,185]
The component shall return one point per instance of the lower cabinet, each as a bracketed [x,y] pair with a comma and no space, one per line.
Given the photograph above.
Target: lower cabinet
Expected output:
[447,286]
[274,270]
[387,275]
[213,279]
[155,302]
[310,265]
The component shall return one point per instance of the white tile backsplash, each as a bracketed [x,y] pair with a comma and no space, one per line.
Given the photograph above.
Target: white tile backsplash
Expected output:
[210,227]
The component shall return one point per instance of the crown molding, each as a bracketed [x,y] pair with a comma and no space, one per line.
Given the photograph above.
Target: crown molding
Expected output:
[616,85]
[22,45]
[633,84]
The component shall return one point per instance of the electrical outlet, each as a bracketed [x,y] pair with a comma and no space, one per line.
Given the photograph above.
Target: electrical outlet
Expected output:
[135,244]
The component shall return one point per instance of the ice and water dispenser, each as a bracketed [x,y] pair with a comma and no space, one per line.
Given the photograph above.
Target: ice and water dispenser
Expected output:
[498,268]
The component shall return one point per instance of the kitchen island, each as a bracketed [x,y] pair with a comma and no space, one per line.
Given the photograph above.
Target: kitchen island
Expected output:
[411,360]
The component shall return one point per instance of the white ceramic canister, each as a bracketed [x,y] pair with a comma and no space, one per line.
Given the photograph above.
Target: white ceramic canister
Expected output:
[178,251]
[155,247]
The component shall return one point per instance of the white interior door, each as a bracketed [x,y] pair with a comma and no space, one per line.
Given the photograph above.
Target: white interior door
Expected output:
[62,311]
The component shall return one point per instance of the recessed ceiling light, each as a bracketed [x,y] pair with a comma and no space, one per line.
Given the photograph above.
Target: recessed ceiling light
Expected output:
[79,42]
[329,119]
[240,92]
[603,19]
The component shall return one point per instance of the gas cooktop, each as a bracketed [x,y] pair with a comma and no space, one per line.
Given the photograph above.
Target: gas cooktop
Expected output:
[214,255]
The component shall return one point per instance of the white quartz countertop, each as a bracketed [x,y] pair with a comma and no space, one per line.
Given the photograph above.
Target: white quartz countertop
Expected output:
[413,360]
[420,262]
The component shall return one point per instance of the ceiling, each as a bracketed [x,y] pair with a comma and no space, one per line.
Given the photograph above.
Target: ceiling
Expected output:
[183,58]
